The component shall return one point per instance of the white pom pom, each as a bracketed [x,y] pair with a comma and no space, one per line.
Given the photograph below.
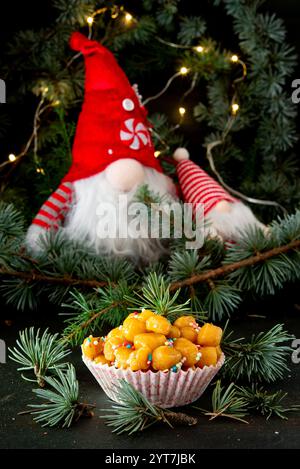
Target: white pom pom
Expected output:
[181,154]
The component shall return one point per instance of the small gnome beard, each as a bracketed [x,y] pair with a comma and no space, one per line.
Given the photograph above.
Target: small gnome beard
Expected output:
[82,222]
[231,224]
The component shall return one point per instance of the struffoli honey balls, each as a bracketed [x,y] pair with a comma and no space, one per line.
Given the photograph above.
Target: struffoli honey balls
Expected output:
[148,341]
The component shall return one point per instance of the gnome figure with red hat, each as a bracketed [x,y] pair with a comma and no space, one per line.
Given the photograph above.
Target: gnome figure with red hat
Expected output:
[112,154]
[224,216]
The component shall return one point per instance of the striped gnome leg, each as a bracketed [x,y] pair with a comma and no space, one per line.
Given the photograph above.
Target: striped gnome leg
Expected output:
[50,216]
[224,215]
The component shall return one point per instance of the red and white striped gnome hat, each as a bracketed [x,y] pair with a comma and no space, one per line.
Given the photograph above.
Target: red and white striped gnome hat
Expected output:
[196,185]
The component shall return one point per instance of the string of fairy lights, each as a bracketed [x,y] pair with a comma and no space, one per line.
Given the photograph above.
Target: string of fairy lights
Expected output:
[128,20]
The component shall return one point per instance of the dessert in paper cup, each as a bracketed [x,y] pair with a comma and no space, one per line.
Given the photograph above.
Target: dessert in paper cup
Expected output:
[170,364]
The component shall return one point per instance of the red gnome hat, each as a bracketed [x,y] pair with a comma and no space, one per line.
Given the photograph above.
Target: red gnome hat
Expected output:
[112,123]
[196,185]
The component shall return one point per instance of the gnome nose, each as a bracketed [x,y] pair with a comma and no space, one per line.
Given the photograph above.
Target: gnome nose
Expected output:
[125,174]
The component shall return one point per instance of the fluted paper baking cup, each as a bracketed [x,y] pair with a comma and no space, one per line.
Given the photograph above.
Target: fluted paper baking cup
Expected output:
[166,389]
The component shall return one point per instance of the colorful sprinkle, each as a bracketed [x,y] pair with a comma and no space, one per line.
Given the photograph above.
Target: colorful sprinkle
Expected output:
[149,359]
[169,342]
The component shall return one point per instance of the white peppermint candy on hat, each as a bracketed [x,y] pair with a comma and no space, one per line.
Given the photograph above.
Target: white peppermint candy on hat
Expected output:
[135,134]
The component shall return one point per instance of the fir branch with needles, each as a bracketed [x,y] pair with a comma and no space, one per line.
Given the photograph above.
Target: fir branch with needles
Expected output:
[268,404]
[42,354]
[226,403]
[62,406]
[108,306]
[134,413]
[236,402]
[155,295]
[264,358]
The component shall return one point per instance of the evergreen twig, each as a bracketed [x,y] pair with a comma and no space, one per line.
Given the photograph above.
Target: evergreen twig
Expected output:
[62,406]
[135,413]
[226,403]
[41,354]
[266,403]
[262,359]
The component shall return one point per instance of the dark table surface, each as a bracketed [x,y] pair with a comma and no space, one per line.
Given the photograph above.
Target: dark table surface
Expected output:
[19,431]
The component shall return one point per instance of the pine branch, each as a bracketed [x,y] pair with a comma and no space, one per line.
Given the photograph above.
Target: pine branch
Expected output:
[229,268]
[235,402]
[226,403]
[262,359]
[62,406]
[135,413]
[155,295]
[267,404]
[199,278]
[42,354]
[91,314]
[78,330]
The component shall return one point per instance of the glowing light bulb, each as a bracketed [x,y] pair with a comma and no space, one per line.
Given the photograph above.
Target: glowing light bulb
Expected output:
[128,18]
[182,111]
[12,157]
[183,70]
[235,107]
[199,49]
[90,20]
[157,153]
[234,58]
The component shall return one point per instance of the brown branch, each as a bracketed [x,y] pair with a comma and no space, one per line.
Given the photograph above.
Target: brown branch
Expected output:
[227,269]
[67,281]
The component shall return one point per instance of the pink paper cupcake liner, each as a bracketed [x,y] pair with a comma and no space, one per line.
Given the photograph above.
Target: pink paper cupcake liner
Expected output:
[164,389]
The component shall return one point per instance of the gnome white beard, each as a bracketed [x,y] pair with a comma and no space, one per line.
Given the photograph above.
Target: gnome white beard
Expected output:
[82,222]
[230,225]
